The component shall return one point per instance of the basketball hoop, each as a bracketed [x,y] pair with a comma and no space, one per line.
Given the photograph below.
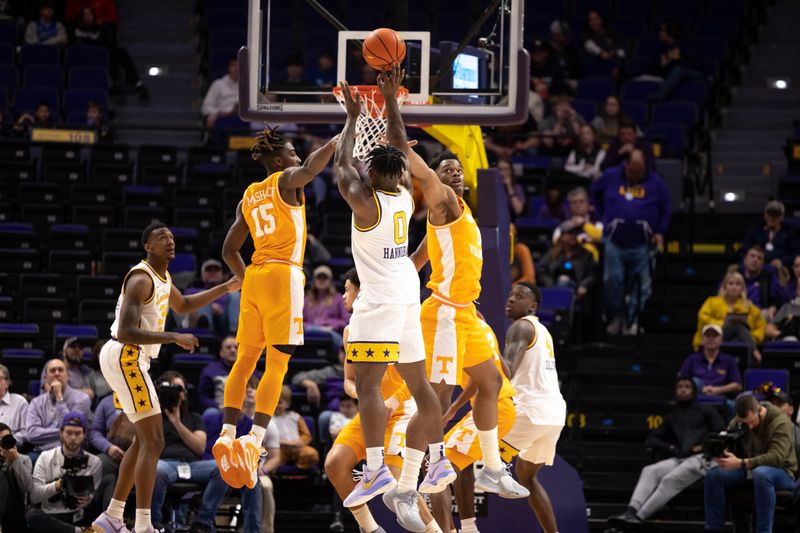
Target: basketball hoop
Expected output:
[371,123]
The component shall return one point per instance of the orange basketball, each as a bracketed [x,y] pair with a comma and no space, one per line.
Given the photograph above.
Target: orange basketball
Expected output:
[383,47]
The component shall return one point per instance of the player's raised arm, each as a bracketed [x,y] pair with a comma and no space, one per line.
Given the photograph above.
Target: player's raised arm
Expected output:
[299,177]
[234,240]
[519,337]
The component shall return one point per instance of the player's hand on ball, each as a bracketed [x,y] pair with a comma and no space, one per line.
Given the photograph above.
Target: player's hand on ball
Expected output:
[233,284]
[389,80]
[187,341]
[351,104]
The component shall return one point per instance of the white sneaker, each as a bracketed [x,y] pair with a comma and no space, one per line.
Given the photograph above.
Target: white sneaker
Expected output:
[501,483]
[615,326]
[405,506]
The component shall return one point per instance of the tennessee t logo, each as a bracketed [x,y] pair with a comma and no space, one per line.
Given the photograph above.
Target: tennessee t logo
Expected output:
[401,438]
[444,360]
[464,433]
[299,322]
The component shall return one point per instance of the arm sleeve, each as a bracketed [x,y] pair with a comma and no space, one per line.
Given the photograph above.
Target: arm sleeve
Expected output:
[780,447]
[30,34]
[83,404]
[97,431]
[23,472]
[759,325]
[211,101]
[591,47]
[20,428]
[598,164]
[205,390]
[656,438]
[38,432]
[570,165]
[96,471]
[42,489]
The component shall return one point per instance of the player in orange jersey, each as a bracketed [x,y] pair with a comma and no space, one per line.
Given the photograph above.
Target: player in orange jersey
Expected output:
[272,212]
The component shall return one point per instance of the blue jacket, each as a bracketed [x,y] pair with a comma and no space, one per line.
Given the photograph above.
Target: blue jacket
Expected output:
[631,214]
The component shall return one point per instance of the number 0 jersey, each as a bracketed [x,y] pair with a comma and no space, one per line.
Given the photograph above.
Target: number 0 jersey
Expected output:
[380,252]
[278,229]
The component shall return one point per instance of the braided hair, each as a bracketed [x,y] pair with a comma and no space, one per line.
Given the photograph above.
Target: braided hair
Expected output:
[387,161]
[267,142]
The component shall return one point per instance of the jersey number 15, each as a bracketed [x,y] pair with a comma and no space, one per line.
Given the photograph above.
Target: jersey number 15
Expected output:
[261,213]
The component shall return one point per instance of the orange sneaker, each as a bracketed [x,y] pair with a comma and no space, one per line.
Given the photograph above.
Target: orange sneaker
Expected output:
[227,461]
[248,453]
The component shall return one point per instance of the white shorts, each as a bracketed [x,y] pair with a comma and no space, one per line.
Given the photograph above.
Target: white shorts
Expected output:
[125,369]
[385,333]
[536,443]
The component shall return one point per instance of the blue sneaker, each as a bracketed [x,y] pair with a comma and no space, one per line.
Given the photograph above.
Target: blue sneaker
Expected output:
[371,484]
[439,475]
[106,524]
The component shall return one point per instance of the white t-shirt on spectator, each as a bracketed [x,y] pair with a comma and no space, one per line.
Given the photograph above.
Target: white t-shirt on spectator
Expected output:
[222,96]
[272,438]
[338,421]
[287,425]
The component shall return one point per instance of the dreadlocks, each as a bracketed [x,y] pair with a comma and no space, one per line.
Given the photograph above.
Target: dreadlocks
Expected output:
[387,161]
[267,141]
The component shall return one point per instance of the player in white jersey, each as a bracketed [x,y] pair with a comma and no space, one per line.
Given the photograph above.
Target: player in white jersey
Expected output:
[541,410]
[385,326]
[136,336]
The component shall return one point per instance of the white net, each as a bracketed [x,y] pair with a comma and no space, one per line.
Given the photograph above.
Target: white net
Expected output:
[371,123]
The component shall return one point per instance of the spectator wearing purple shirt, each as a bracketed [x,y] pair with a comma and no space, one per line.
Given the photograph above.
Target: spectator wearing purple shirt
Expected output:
[761,281]
[324,306]
[46,410]
[110,453]
[13,408]
[221,315]
[715,373]
[211,387]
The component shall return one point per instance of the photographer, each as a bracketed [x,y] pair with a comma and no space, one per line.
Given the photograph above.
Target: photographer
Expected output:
[681,438]
[66,482]
[16,482]
[768,459]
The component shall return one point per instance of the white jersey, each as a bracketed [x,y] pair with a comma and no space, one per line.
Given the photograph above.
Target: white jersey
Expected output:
[154,309]
[380,252]
[536,380]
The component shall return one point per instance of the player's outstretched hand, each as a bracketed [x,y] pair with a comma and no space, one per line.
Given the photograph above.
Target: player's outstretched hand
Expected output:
[390,80]
[187,341]
[351,104]
[233,284]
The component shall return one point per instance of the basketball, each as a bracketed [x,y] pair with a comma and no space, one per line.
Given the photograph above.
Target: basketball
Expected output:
[383,47]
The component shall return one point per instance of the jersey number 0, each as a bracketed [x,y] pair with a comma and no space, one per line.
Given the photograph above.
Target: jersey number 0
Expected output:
[261,213]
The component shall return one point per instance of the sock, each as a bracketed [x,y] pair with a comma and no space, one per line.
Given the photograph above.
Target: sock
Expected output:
[436,450]
[364,518]
[490,449]
[269,388]
[142,520]
[259,432]
[433,527]
[374,458]
[412,462]
[116,509]
[468,525]
[229,430]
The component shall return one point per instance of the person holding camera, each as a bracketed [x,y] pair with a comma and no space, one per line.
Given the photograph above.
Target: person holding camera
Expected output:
[16,482]
[768,459]
[13,408]
[66,481]
[680,437]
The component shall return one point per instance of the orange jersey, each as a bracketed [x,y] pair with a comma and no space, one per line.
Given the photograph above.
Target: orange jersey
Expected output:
[278,229]
[392,382]
[456,259]
[507,390]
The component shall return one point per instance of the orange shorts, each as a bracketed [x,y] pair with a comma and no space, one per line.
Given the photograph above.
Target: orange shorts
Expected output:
[394,440]
[461,443]
[271,308]
[455,339]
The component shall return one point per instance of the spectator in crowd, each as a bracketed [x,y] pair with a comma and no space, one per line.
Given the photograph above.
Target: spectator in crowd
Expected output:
[522,268]
[95,119]
[105,11]
[562,127]
[587,156]
[348,409]
[221,315]
[635,207]
[580,215]
[567,264]
[47,410]
[515,192]
[324,74]
[785,324]
[780,243]
[731,309]
[599,41]
[715,373]
[54,512]
[324,308]
[782,400]
[110,434]
[41,118]
[295,80]
[680,437]
[316,253]
[16,483]
[258,503]
[761,281]
[222,98]
[677,62]
[769,459]
[13,408]
[606,123]
[547,78]
[565,52]
[46,29]
[312,380]
[506,141]
[625,143]
[553,208]
[81,376]
[296,446]
[211,386]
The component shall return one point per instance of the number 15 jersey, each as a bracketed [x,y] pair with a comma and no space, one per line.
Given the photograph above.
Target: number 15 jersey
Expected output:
[278,229]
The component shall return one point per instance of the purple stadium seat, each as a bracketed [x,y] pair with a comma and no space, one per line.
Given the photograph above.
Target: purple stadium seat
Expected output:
[38,54]
[671,134]
[76,99]
[682,113]
[8,33]
[596,89]
[27,98]
[6,54]
[754,377]
[585,108]
[637,112]
[649,47]
[86,56]
[227,38]
[639,90]
[694,91]
[44,76]
[632,27]
[88,78]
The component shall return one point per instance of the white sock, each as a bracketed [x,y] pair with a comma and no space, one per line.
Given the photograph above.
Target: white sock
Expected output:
[364,518]
[374,458]
[259,432]
[116,509]
[142,520]
[229,430]
[490,449]
[409,476]
[468,525]
[436,450]
[433,527]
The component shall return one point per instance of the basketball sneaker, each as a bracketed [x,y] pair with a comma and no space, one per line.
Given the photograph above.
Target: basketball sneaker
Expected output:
[106,524]
[501,483]
[370,485]
[227,461]
[439,475]
[405,506]
[248,454]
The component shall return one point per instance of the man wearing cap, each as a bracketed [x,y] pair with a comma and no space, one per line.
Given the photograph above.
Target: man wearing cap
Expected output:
[81,376]
[221,315]
[715,373]
[780,243]
[52,514]
[46,410]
